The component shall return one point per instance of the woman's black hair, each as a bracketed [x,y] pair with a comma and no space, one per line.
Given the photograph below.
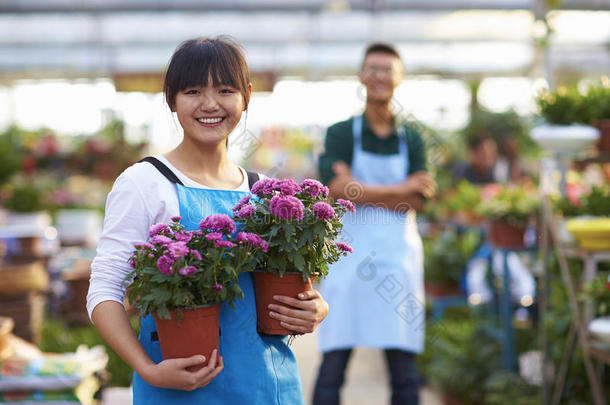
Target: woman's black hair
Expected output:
[198,60]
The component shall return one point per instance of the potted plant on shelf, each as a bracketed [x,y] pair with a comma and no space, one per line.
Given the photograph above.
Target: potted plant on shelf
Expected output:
[509,210]
[181,277]
[598,102]
[566,114]
[598,290]
[301,226]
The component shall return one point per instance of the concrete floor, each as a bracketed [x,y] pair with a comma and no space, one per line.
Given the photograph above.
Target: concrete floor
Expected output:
[366,379]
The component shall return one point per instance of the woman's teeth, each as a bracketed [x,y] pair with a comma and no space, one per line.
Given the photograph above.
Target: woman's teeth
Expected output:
[209,120]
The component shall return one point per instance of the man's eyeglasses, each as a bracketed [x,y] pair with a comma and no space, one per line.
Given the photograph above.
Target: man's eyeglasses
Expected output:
[378,70]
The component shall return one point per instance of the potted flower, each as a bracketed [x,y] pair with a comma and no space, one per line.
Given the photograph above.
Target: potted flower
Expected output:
[509,210]
[301,226]
[181,277]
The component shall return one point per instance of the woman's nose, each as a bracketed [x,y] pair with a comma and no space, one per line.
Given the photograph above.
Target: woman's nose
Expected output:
[208,102]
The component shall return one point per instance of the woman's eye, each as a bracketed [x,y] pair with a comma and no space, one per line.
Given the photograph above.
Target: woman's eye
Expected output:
[227,91]
[191,91]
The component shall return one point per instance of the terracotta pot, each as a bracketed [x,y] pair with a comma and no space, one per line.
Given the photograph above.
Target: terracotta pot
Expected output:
[604,137]
[441,290]
[196,333]
[449,399]
[266,285]
[506,236]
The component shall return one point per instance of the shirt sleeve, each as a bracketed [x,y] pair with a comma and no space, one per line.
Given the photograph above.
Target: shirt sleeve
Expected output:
[127,220]
[338,146]
[417,150]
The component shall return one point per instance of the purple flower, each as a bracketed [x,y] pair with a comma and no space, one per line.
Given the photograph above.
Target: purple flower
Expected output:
[287,207]
[217,287]
[287,187]
[144,245]
[157,229]
[214,236]
[218,223]
[325,192]
[312,187]
[323,210]
[224,244]
[241,203]
[132,263]
[178,249]
[345,247]
[177,218]
[346,204]
[183,236]
[151,256]
[245,211]
[164,264]
[187,271]
[196,254]
[253,240]
[161,240]
[264,187]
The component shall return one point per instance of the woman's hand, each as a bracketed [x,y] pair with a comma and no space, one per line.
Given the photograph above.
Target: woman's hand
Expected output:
[174,373]
[301,315]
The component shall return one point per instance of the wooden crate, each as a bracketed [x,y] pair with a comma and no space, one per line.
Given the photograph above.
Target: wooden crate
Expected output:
[27,311]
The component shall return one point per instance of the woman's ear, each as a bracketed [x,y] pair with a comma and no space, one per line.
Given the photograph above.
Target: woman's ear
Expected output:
[249,90]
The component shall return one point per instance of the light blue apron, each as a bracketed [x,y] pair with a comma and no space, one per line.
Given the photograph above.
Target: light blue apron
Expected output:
[376,294]
[257,370]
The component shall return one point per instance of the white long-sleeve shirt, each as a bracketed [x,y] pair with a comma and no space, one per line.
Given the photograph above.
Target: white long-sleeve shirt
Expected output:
[140,197]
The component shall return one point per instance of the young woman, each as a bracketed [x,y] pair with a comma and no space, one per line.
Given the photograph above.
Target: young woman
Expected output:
[207,85]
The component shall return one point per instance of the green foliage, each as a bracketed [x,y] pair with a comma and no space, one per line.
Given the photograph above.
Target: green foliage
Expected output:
[595,203]
[24,198]
[199,272]
[598,290]
[58,337]
[513,204]
[304,245]
[445,257]
[463,357]
[568,106]
[10,153]
[508,388]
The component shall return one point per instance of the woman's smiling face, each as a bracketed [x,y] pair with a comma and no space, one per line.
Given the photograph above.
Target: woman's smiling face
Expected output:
[209,114]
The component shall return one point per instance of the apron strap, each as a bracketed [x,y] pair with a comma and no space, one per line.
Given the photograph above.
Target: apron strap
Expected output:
[165,171]
[253,177]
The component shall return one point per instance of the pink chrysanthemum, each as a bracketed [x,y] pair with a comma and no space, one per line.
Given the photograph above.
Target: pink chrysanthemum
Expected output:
[346,204]
[144,245]
[264,187]
[157,229]
[161,240]
[187,271]
[214,236]
[183,236]
[241,203]
[177,218]
[164,264]
[151,256]
[287,187]
[218,223]
[312,187]
[253,240]
[245,211]
[323,210]
[224,244]
[196,255]
[345,247]
[178,249]
[132,263]
[287,207]
[217,287]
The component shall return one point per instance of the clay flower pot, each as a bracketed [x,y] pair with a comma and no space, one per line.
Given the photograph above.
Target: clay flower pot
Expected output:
[196,333]
[506,236]
[266,285]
